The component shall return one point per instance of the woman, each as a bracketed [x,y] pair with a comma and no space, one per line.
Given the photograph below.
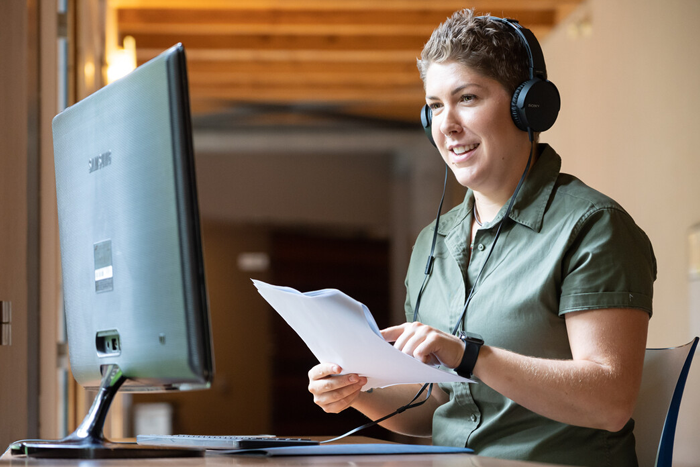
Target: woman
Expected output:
[564,300]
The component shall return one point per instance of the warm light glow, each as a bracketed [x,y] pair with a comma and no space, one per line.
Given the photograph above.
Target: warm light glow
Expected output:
[121,61]
[579,29]
[89,72]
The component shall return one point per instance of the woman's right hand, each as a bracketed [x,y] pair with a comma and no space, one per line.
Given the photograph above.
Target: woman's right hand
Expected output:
[333,392]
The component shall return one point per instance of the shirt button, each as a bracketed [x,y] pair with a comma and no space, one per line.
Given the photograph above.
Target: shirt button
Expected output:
[473,418]
[481,247]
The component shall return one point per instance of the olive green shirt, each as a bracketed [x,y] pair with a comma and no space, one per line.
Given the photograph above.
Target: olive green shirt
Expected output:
[566,248]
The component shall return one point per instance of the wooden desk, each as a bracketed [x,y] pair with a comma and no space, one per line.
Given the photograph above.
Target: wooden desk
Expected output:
[404,460]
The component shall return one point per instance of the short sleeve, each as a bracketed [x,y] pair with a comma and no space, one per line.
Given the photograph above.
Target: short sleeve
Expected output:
[610,264]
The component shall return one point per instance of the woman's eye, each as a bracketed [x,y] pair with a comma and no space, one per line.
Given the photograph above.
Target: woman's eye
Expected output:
[468,97]
[434,106]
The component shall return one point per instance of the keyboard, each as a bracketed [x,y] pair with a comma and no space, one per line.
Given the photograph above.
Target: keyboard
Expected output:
[222,442]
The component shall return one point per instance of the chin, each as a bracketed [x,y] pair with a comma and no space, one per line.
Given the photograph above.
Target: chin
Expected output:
[463,176]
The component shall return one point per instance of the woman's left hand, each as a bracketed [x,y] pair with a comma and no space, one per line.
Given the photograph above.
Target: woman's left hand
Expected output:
[425,343]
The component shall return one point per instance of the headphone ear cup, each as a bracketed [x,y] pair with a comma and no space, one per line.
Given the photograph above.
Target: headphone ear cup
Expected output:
[518,117]
[426,119]
[535,105]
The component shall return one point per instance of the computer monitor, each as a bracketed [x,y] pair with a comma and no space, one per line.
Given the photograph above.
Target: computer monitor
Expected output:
[133,274]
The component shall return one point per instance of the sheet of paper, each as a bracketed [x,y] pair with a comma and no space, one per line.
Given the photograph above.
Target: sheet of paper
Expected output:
[339,329]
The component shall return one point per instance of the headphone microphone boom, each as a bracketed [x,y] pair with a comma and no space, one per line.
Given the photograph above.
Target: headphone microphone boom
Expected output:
[536,102]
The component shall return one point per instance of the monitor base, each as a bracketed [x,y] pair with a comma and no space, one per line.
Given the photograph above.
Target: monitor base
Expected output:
[104,450]
[88,441]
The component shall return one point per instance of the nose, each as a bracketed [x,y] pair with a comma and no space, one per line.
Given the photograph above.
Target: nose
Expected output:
[449,124]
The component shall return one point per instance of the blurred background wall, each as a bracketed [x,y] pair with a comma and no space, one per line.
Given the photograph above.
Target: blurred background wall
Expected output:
[628,75]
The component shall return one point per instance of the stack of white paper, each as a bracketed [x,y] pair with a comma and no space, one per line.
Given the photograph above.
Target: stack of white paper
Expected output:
[341,330]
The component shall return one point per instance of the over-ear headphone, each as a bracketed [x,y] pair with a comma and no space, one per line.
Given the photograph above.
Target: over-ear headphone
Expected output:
[535,103]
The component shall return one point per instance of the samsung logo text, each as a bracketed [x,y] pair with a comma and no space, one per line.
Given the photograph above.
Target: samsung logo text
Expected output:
[100,162]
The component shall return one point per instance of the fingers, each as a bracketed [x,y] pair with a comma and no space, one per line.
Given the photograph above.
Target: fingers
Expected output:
[413,336]
[392,333]
[323,370]
[427,344]
[333,392]
[428,351]
[407,336]
[346,389]
[423,346]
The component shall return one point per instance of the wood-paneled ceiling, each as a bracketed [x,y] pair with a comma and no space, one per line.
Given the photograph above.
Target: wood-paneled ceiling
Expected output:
[355,58]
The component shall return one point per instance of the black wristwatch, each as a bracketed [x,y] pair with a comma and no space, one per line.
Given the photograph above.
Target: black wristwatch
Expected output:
[472,345]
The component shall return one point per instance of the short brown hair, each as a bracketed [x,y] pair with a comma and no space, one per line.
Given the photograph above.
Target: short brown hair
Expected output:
[485,45]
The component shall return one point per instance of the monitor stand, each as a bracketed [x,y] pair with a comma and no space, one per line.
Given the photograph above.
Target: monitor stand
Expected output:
[88,441]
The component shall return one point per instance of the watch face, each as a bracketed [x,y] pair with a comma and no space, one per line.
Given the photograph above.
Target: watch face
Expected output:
[477,340]
[471,337]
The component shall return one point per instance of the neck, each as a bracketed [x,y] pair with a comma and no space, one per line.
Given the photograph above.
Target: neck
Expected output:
[489,203]
[486,208]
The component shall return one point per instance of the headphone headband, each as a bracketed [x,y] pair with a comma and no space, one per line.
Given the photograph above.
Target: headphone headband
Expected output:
[536,65]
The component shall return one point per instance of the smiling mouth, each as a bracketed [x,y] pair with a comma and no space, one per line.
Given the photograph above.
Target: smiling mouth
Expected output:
[459,150]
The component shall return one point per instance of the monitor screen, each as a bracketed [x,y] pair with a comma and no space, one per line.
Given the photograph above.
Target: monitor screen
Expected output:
[131,255]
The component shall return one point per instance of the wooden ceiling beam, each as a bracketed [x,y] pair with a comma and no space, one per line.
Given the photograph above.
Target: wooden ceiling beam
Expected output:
[295,56]
[278,67]
[359,55]
[327,79]
[282,95]
[373,52]
[269,21]
[324,52]
[281,42]
[330,5]
[131,29]
[280,17]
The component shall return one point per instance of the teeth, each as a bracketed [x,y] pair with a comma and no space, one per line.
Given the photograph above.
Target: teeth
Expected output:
[463,149]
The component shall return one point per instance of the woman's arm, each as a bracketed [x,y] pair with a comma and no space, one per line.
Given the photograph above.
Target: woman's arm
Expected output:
[334,393]
[597,388]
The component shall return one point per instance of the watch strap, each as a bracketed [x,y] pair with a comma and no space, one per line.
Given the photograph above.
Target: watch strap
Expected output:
[472,345]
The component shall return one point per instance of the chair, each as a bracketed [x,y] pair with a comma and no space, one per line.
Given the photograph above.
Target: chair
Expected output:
[656,413]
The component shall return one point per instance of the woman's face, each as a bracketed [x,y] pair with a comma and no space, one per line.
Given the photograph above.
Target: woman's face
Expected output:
[473,129]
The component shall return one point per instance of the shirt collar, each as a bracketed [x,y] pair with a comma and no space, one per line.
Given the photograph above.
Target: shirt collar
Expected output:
[531,202]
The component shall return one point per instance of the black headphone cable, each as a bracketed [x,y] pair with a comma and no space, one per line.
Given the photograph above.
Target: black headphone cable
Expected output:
[401,409]
[463,315]
[431,257]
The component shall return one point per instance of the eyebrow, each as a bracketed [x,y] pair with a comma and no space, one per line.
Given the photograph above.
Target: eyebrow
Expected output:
[456,90]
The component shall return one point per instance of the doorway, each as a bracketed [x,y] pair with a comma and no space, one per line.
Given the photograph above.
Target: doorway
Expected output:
[356,265]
